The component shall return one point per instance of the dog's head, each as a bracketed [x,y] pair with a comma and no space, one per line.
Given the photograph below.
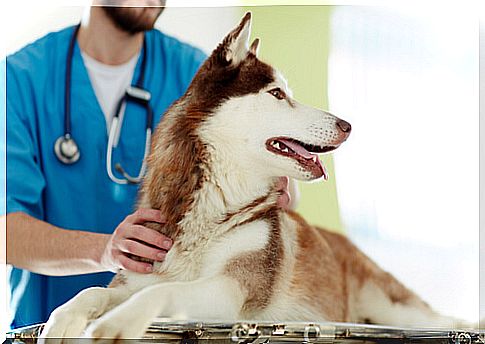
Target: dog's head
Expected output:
[252,120]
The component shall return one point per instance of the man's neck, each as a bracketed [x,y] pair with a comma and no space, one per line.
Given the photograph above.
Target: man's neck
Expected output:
[101,39]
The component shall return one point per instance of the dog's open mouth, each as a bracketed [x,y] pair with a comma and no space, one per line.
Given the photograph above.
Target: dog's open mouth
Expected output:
[305,154]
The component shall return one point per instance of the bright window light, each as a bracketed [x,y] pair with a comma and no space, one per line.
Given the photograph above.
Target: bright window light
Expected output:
[408,177]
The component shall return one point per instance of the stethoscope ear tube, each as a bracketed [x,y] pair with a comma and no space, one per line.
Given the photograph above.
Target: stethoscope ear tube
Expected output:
[109,153]
[138,179]
[128,179]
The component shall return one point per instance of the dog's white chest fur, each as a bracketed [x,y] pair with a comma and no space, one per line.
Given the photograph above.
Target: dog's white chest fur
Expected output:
[208,258]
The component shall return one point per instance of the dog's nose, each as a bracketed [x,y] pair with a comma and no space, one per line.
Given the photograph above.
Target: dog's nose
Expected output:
[344,126]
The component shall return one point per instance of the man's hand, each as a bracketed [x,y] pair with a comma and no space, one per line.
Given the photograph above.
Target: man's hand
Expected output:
[285,198]
[131,237]
[289,193]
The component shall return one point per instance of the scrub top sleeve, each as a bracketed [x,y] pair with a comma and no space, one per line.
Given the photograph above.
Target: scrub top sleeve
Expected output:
[190,61]
[197,60]
[24,179]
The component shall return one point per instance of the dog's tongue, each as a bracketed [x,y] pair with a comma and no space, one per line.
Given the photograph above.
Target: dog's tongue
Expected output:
[310,157]
[298,149]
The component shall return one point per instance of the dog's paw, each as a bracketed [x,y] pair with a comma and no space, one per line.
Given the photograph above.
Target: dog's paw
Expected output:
[62,325]
[109,329]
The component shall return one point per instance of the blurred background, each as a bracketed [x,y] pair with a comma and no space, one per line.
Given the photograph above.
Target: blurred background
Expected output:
[405,187]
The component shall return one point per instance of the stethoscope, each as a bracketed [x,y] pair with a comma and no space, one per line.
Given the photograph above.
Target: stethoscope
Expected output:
[66,149]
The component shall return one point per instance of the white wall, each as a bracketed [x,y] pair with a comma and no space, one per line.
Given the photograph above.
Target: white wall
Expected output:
[407,178]
[27,24]
[202,27]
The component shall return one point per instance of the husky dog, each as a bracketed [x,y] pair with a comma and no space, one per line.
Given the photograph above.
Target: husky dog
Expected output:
[213,169]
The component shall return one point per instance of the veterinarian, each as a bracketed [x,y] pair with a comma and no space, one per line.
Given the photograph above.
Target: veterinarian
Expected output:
[68,211]
[68,217]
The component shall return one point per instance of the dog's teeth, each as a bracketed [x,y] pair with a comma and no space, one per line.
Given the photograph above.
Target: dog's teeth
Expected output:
[285,150]
[314,158]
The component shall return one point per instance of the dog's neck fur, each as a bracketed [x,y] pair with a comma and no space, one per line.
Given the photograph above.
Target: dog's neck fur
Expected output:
[226,200]
[194,188]
[238,187]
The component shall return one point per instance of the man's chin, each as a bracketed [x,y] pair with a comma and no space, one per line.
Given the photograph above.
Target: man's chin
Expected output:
[133,19]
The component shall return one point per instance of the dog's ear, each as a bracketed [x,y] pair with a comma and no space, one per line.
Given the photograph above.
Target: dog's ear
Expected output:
[235,45]
[254,48]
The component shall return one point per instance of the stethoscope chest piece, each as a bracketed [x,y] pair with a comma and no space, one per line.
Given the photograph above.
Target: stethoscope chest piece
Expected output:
[66,150]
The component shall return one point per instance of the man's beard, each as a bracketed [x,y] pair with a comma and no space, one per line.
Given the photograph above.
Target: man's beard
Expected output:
[130,21]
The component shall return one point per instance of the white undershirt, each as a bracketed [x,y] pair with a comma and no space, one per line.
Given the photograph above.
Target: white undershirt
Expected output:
[109,82]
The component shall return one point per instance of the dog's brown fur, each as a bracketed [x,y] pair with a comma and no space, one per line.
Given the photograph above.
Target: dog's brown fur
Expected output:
[257,272]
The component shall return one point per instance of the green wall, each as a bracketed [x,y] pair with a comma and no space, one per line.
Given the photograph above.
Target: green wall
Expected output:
[295,40]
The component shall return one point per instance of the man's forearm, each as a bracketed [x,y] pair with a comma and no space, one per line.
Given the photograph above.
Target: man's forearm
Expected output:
[57,251]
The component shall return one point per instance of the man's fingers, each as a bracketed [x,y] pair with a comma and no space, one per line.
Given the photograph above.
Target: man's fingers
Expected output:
[132,265]
[140,250]
[283,183]
[284,200]
[145,215]
[149,236]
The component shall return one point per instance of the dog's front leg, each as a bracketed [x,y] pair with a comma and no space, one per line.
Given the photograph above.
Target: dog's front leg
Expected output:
[214,298]
[70,319]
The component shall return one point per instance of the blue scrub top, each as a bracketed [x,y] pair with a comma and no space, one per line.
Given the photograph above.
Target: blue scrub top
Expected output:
[79,196]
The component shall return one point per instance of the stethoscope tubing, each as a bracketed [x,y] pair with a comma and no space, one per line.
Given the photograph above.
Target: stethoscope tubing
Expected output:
[65,147]
[67,97]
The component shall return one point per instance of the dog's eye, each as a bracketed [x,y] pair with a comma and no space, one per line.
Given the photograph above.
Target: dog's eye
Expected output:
[277,93]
